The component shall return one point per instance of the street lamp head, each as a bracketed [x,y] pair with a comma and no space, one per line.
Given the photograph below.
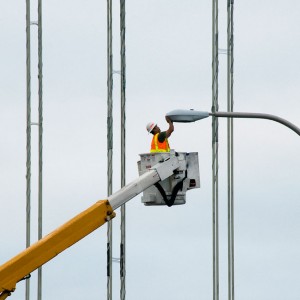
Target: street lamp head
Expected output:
[186,116]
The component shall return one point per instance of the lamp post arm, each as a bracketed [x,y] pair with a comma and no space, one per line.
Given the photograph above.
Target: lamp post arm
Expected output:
[256,116]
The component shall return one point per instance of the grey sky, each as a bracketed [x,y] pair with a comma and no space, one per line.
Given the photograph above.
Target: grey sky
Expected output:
[168,48]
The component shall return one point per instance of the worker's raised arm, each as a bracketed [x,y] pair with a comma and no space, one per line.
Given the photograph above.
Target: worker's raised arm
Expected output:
[171,127]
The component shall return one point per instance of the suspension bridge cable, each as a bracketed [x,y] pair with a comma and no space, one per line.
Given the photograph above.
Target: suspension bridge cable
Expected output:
[28,137]
[40,188]
[230,157]
[109,141]
[215,107]
[123,151]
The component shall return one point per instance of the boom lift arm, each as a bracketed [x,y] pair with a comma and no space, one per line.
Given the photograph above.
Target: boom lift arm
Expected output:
[77,228]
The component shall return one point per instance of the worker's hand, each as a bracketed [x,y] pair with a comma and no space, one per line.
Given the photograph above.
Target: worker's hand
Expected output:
[171,126]
[168,120]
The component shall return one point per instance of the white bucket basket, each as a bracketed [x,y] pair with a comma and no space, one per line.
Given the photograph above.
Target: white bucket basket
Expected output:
[171,191]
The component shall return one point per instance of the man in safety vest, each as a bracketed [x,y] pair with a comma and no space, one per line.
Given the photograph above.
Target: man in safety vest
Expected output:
[160,138]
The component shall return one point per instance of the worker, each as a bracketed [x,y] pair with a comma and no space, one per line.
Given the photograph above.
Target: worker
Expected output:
[160,138]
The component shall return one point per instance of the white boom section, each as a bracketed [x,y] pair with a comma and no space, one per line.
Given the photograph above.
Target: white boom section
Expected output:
[157,173]
[77,228]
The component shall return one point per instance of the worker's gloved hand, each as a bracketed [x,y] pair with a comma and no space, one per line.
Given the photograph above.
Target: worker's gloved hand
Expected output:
[168,119]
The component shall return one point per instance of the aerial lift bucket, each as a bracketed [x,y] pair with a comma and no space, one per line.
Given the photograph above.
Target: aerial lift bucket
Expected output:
[171,191]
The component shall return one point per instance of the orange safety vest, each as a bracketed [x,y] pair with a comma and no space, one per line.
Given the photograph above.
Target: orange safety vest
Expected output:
[157,146]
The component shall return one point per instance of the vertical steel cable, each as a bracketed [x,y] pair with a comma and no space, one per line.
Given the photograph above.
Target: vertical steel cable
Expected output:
[230,151]
[28,134]
[123,150]
[40,191]
[215,107]
[109,141]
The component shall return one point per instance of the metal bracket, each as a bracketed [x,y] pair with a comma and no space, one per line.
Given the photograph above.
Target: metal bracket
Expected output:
[166,168]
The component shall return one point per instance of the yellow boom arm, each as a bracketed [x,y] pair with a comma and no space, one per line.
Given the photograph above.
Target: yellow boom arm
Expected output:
[77,228]
[52,244]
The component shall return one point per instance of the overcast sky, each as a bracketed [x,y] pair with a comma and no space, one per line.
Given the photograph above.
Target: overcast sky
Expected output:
[168,59]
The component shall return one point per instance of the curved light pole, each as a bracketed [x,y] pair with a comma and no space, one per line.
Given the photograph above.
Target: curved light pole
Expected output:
[185,116]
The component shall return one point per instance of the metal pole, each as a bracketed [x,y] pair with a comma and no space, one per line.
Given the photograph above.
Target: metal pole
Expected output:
[215,107]
[109,141]
[28,133]
[230,175]
[40,191]
[123,151]
[256,116]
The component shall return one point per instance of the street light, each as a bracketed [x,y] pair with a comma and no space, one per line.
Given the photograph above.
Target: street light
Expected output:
[185,116]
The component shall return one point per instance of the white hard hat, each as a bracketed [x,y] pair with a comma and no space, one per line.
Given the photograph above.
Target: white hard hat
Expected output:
[150,126]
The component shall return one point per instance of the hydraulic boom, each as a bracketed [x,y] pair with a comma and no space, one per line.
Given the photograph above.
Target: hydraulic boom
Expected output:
[41,252]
